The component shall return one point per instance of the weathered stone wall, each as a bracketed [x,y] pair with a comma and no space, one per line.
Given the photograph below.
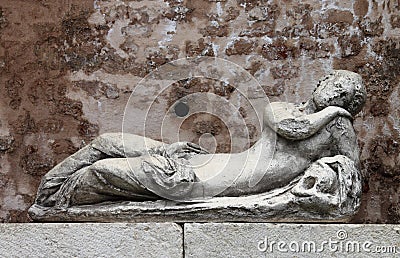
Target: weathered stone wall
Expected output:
[68,67]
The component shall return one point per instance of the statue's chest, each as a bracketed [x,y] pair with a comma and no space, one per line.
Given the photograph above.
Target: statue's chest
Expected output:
[317,145]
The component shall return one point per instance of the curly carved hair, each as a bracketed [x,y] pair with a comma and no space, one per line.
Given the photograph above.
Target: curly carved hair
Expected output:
[344,79]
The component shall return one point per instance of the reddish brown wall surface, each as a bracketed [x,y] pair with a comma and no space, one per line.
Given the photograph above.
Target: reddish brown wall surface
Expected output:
[67,69]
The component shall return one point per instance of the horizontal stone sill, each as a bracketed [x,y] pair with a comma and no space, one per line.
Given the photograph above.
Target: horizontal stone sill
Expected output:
[198,240]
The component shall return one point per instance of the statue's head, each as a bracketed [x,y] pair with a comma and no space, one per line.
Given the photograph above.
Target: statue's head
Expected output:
[343,89]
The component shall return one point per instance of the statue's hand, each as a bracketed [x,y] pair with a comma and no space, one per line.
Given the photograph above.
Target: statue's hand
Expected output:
[339,111]
[184,150]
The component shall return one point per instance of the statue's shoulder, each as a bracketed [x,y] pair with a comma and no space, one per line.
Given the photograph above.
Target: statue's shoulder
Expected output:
[286,109]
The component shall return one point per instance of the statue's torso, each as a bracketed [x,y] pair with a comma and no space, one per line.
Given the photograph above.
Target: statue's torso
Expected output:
[290,159]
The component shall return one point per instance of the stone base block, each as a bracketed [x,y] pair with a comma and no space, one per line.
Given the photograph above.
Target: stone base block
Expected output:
[91,240]
[291,240]
[198,240]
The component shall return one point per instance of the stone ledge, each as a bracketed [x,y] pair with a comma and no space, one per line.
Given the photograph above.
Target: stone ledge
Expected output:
[198,240]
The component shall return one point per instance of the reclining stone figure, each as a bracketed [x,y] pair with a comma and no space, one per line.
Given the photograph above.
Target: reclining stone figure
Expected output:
[312,175]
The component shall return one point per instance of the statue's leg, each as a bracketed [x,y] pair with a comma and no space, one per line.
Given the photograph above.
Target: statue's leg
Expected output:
[109,145]
[52,181]
[106,180]
[124,145]
[116,179]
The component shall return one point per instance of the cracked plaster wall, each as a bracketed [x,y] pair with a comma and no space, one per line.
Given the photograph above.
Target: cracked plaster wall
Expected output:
[67,69]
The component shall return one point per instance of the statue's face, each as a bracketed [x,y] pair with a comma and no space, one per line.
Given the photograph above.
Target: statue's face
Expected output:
[333,91]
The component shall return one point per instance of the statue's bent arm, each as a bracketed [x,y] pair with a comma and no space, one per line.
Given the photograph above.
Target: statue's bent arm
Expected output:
[283,121]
